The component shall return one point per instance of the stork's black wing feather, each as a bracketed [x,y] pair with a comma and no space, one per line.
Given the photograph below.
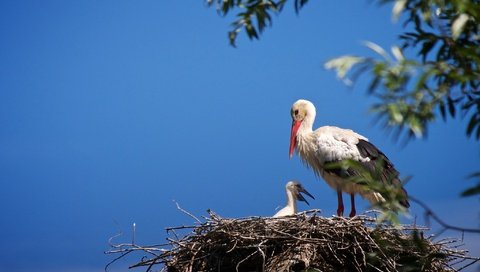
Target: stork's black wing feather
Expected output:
[387,171]
[368,150]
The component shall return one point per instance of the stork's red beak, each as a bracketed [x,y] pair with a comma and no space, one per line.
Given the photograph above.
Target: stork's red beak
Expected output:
[293,136]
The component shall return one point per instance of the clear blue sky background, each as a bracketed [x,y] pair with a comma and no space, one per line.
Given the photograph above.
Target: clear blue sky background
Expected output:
[110,110]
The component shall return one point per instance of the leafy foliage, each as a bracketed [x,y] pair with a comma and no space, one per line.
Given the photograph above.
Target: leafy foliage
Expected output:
[444,77]
[255,15]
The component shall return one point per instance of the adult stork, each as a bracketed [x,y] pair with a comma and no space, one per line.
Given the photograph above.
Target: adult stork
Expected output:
[294,193]
[329,144]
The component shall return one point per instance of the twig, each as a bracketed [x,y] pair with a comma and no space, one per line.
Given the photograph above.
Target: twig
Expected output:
[187,213]
[116,259]
[113,237]
[133,233]
[246,258]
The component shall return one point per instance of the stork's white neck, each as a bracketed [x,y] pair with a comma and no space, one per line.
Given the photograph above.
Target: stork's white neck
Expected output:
[291,201]
[307,126]
[305,137]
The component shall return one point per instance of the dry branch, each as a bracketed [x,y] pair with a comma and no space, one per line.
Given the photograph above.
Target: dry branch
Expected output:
[305,242]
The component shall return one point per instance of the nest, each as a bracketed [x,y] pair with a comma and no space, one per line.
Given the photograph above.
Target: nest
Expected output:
[305,242]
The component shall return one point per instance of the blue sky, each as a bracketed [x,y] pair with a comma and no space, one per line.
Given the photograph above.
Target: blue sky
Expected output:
[110,110]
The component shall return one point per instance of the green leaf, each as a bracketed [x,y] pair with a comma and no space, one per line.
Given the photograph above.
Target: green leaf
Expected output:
[458,25]
[426,48]
[398,7]
[472,191]
[395,114]
[299,4]
[441,106]
[474,175]
[397,52]
[451,106]
[373,84]
[472,124]
[343,64]
[232,37]
[377,49]
[475,190]
[415,127]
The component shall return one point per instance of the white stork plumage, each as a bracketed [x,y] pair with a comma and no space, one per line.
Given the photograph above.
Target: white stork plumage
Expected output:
[332,144]
[294,190]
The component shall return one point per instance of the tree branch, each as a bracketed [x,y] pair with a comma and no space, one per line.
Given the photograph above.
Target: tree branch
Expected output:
[430,214]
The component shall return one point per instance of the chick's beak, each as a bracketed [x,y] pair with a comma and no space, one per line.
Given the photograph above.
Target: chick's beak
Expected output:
[300,196]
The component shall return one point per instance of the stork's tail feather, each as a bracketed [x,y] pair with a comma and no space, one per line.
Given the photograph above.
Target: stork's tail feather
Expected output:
[404,202]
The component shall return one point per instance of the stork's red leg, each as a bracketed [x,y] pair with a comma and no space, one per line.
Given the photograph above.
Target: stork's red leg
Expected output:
[352,200]
[340,203]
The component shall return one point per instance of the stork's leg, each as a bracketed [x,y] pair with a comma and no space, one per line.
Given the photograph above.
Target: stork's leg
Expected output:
[340,203]
[352,200]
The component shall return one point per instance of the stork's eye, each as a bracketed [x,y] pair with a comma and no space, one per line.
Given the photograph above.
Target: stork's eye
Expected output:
[296,112]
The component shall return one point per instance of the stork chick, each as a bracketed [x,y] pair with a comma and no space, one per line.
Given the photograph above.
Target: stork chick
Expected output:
[294,193]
